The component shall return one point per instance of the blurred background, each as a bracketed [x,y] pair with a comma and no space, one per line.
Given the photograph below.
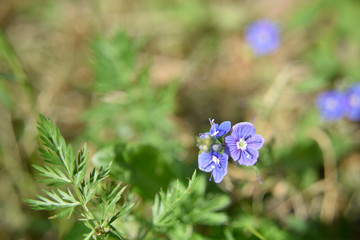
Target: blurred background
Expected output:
[144,77]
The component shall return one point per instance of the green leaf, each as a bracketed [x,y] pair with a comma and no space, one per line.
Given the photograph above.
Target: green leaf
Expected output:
[57,153]
[313,84]
[53,176]
[201,208]
[114,62]
[54,200]
[142,166]
[306,15]
[165,203]
[81,163]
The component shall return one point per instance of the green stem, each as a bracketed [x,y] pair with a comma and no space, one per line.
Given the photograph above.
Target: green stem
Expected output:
[147,236]
[20,76]
[257,174]
[14,63]
[253,231]
[82,201]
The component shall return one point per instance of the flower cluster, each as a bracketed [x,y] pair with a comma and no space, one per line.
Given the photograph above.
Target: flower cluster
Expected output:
[263,36]
[334,105]
[241,145]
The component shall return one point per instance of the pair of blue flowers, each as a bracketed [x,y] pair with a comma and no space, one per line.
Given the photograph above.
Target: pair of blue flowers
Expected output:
[334,104]
[241,145]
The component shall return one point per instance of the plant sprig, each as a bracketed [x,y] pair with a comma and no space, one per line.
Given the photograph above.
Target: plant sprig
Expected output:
[165,203]
[62,167]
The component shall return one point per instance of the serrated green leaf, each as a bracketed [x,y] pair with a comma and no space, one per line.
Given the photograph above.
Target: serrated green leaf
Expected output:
[163,209]
[53,176]
[88,236]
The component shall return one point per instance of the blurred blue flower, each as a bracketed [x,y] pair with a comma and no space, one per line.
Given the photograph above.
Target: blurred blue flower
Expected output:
[216,130]
[352,98]
[331,105]
[214,162]
[243,144]
[263,36]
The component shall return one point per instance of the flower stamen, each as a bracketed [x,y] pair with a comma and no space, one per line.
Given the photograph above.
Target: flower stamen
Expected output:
[214,134]
[241,144]
[215,160]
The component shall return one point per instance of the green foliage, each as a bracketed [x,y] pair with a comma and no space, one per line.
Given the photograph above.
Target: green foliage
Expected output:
[259,227]
[10,71]
[5,97]
[130,118]
[56,200]
[114,63]
[130,108]
[198,209]
[7,53]
[202,208]
[98,203]
[62,167]
[141,165]
[178,211]
[329,43]
[165,204]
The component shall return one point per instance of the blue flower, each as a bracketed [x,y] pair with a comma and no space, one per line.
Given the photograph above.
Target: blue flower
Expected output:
[216,130]
[331,105]
[352,98]
[243,144]
[214,162]
[263,36]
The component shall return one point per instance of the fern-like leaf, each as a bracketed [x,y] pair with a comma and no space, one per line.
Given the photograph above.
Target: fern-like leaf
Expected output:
[62,167]
[54,200]
[165,204]
[52,176]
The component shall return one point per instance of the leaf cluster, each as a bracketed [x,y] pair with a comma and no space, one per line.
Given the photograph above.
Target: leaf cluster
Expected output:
[165,204]
[201,208]
[177,211]
[128,105]
[63,169]
[141,165]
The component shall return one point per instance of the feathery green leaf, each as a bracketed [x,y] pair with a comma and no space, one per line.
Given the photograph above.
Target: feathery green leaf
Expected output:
[165,203]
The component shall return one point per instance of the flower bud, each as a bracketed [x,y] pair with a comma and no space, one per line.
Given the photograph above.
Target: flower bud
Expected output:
[217,147]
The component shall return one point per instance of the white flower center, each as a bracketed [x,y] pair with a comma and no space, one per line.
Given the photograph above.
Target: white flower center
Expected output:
[241,144]
[331,104]
[214,134]
[354,101]
[215,160]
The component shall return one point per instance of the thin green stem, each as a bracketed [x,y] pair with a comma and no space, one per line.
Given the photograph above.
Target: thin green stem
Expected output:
[82,201]
[257,174]
[146,235]
[9,54]
[253,231]
[13,61]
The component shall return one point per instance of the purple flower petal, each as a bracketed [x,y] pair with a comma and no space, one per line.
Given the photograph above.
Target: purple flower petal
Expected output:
[352,110]
[218,131]
[243,130]
[263,36]
[214,128]
[223,158]
[249,157]
[218,174]
[224,128]
[231,147]
[205,161]
[220,171]
[256,141]
[331,105]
